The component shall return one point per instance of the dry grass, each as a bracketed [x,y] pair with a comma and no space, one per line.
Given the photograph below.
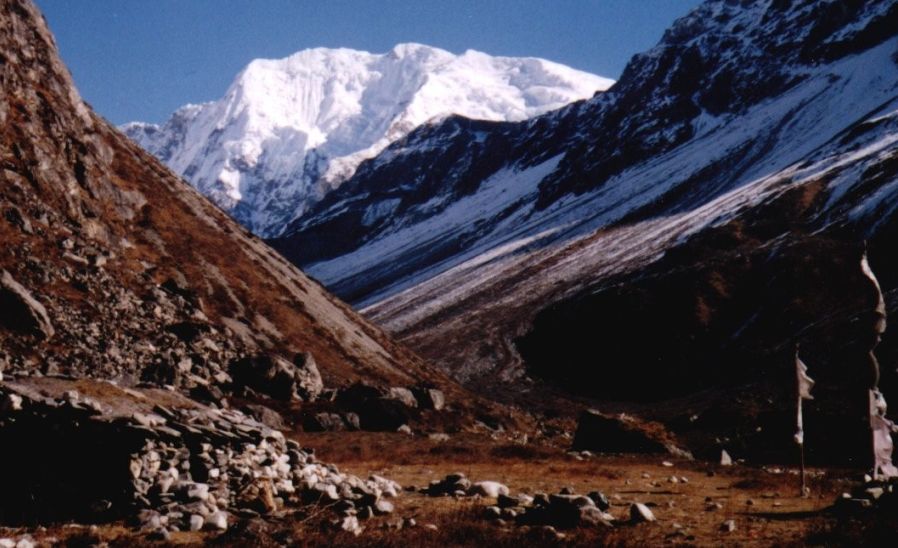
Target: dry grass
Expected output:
[775,515]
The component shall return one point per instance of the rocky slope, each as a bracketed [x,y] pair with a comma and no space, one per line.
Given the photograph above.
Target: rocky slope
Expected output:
[687,226]
[151,349]
[118,266]
[289,130]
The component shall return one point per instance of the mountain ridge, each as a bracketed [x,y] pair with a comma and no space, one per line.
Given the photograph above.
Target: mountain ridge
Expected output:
[289,130]
[576,202]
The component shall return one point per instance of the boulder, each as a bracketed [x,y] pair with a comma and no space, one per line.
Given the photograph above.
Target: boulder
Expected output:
[267,416]
[377,412]
[449,485]
[590,516]
[564,511]
[350,524]
[357,394]
[639,512]
[429,398]
[403,395]
[506,501]
[600,500]
[308,379]
[20,311]
[597,431]
[492,489]
[323,422]
[196,522]
[218,520]
[383,506]
[278,378]
[352,420]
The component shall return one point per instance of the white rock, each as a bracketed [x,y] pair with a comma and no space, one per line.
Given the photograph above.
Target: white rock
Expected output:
[135,466]
[725,459]
[165,483]
[12,402]
[488,489]
[285,486]
[218,520]
[196,522]
[641,512]
[198,491]
[384,507]
[350,524]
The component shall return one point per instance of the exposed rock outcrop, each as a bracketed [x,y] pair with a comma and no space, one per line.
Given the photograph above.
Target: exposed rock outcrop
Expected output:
[20,311]
[278,378]
[601,432]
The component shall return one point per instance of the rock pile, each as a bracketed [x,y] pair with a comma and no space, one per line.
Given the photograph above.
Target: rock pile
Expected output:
[24,541]
[452,485]
[871,495]
[362,406]
[278,378]
[458,485]
[171,467]
[564,511]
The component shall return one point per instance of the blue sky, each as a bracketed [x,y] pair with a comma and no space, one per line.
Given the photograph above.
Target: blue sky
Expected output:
[141,59]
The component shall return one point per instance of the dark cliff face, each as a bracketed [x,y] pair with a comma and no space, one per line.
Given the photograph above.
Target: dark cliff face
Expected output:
[135,272]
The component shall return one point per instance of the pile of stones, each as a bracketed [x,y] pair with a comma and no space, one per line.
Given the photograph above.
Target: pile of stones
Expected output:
[563,510]
[362,406]
[871,494]
[25,541]
[170,468]
[457,485]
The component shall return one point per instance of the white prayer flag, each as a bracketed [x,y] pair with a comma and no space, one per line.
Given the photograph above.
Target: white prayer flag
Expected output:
[880,310]
[882,438]
[804,383]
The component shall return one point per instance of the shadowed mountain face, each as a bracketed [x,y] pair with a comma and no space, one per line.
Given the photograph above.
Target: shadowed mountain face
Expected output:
[114,267]
[675,235]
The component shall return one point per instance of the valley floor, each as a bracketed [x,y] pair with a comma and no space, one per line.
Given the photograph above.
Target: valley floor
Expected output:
[763,502]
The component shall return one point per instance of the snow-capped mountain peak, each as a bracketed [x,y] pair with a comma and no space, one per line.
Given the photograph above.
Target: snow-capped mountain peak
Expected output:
[289,130]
